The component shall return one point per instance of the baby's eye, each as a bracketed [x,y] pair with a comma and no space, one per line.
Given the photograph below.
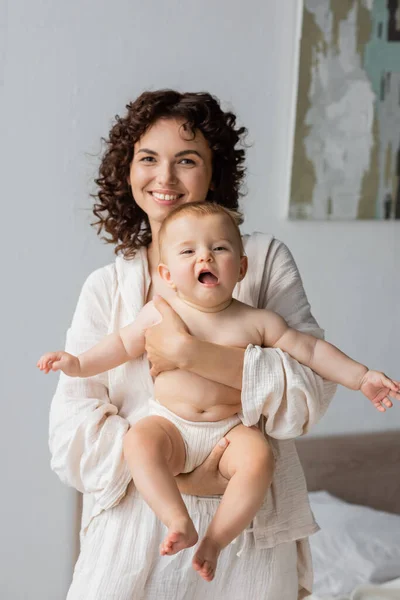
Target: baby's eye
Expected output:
[219,248]
[186,252]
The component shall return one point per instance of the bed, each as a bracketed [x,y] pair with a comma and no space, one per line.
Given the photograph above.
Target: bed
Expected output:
[354,485]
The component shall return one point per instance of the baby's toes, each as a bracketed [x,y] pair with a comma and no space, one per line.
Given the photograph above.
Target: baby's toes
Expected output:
[165,548]
[207,571]
[197,564]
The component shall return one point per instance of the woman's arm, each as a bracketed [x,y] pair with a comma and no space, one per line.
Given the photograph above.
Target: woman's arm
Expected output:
[170,346]
[86,433]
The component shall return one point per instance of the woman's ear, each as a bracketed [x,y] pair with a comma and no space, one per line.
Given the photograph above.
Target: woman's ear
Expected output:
[243,267]
[165,275]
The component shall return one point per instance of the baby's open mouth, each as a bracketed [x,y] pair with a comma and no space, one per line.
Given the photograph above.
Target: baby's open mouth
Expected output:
[207,278]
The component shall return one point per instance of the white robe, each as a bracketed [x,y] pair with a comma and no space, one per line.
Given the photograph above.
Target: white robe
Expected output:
[89,418]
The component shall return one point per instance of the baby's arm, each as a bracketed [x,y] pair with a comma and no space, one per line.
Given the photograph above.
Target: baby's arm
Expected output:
[112,351]
[328,361]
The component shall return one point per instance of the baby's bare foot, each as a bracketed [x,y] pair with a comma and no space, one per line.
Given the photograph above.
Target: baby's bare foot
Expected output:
[205,558]
[181,534]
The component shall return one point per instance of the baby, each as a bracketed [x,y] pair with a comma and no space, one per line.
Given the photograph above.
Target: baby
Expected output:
[202,259]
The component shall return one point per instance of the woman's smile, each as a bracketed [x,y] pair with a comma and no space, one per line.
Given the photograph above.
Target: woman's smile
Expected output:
[166,197]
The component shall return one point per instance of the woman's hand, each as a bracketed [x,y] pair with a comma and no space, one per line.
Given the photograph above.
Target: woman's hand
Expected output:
[165,341]
[205,480]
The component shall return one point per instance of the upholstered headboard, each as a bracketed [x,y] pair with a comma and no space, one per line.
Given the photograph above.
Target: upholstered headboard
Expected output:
[359,468]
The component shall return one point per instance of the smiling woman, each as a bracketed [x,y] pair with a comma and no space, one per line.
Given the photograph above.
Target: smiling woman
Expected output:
[168,144]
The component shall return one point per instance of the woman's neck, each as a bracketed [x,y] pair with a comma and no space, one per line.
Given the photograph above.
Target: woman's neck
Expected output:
[153,254]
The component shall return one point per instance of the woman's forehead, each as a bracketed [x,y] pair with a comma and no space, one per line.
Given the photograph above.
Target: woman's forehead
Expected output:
[166,131]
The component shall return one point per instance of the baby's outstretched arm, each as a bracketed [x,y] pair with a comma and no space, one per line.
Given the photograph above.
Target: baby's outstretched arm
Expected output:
[329,362]
[112,351]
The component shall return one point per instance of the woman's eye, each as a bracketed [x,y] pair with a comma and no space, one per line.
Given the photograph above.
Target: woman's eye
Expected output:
[187,161]
[147,159]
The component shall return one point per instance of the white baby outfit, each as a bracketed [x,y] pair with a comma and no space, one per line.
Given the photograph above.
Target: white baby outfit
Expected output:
[199,437]
[89,418]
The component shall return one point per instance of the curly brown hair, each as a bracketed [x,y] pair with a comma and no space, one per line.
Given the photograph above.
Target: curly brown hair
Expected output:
[116,211]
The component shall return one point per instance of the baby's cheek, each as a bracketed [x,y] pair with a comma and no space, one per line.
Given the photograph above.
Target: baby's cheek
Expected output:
[184,275]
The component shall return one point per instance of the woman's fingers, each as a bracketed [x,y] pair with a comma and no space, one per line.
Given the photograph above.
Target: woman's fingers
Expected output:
[154,372]
[162,305]
[216,453]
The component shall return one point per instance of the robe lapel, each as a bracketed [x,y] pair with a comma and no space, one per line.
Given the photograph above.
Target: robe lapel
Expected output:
[134,281]
[256,247]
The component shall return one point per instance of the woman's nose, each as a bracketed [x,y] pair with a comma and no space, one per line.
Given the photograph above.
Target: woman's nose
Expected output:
[166,174]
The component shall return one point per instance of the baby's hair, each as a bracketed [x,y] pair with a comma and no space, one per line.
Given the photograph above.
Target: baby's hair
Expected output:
[202,209]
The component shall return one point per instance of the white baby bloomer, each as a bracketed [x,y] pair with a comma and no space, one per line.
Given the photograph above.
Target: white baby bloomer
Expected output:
[199,437]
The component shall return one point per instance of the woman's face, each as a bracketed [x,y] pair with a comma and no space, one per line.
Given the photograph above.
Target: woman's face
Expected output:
[169,168]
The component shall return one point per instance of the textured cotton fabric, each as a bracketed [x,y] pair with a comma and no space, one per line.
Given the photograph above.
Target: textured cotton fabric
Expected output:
[136,571]
[199,437]
[89,418]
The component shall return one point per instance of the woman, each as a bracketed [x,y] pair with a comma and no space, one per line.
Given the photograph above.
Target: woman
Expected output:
[169,149]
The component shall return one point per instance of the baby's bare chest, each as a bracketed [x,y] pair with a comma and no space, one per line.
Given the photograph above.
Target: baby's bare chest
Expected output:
[226,332]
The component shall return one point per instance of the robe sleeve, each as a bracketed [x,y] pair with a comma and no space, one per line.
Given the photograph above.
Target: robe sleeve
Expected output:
[290,396]
[86,432]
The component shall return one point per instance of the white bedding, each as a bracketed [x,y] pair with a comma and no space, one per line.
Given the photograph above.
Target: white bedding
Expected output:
[356,553]
[385,591]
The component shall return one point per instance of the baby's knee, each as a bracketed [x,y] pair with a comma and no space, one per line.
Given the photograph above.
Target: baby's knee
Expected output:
[263,458]
[142,434]
[254,453]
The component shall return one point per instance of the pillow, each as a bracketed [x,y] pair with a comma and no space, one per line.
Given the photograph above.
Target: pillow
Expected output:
[355,545]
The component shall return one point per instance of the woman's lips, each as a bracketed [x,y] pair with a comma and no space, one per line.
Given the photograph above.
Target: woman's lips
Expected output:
[166,199]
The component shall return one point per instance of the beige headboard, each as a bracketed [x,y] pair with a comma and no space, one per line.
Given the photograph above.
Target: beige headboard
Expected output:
[359,468]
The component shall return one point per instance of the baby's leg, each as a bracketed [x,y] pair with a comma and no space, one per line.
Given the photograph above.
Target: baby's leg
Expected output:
[155,452]
[248,463]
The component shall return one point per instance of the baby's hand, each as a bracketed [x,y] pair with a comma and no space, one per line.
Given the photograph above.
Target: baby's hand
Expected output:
[54,361]
[377,387]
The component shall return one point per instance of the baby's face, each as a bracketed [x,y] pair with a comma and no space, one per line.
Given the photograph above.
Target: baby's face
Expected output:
[203,257]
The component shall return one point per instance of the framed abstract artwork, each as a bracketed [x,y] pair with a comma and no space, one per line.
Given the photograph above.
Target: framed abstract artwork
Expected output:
[346,157]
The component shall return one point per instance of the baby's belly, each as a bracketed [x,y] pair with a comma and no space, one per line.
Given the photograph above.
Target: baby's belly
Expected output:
[194,398]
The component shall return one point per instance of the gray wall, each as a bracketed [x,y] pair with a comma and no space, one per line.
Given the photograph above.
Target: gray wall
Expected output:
[68,67]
